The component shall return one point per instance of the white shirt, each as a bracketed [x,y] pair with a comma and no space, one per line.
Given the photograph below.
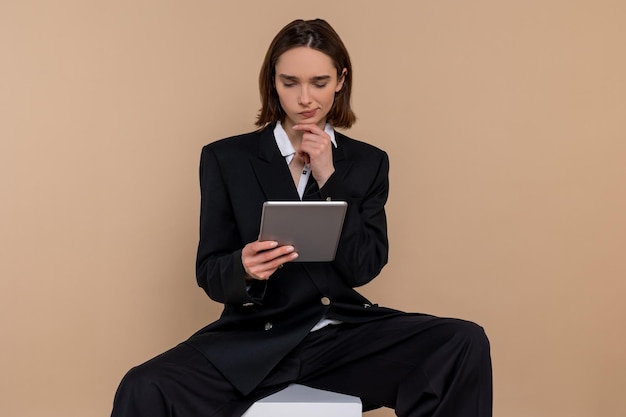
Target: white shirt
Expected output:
[287,150]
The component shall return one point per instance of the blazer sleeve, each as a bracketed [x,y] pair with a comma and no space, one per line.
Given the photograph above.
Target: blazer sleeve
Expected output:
[363,247]
[219,269]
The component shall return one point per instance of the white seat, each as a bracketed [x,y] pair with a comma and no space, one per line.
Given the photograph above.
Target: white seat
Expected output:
[298,400]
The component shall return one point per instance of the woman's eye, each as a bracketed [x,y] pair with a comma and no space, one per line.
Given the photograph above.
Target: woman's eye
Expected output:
[320,85]
[288,85]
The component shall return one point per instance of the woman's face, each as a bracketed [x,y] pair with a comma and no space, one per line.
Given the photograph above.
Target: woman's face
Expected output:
[306,83]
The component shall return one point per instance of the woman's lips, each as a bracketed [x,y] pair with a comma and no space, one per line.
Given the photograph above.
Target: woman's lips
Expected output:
[308,114]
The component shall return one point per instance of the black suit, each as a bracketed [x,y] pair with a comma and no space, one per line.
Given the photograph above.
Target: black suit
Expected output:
[237,175]
[419,365]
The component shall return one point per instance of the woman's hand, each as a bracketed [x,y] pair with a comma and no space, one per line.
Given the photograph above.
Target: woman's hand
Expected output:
[261,259]
[316,149]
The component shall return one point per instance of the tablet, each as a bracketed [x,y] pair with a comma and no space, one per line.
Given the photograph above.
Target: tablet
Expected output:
[312,227]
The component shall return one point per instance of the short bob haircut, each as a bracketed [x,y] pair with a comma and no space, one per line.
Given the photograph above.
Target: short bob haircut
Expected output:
[319,35]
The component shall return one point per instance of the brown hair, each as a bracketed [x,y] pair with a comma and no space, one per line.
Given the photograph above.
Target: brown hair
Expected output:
[319,35]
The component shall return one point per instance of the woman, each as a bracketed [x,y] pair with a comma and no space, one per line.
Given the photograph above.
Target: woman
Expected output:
[285,321]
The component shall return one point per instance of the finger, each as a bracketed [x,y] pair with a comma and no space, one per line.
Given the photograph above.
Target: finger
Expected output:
[263,245]
[279,262]
[314,141]
[287,258]
[308,127]
[276,263]
[315,149]
[250,253]
[305,156]
[266,260]
[265,270]
[271,256]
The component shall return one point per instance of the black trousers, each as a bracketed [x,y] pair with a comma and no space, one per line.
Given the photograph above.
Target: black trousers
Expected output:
[419,365]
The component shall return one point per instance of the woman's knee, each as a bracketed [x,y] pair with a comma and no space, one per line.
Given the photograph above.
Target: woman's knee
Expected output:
[145,379]
[471,334]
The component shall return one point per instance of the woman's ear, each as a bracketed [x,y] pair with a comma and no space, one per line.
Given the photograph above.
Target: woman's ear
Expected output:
[341,80]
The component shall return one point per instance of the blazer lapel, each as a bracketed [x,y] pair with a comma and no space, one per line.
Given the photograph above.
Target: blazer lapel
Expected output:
[341,159]
[271,170]
[273,173]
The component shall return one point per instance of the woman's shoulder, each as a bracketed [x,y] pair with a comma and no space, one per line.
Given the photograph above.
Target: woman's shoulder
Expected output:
[234,149]
[357,147]
[240,141]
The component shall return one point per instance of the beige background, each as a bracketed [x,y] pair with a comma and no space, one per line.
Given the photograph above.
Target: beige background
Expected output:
[504,121]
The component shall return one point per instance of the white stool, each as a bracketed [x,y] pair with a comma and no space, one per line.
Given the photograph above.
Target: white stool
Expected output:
[301,401]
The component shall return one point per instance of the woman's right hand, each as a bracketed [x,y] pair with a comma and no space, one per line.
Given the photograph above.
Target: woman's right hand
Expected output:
[262,258]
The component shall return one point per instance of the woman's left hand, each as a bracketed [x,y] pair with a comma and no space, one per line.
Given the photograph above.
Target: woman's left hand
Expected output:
[316,149]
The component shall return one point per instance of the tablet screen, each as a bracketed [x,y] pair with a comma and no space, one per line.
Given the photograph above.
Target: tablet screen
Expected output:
[312,227]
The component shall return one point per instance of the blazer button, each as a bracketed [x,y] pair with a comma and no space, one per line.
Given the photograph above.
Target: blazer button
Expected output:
[325,301]
[268,326]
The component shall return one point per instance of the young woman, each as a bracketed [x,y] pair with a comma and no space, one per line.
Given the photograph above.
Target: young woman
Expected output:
[300,322]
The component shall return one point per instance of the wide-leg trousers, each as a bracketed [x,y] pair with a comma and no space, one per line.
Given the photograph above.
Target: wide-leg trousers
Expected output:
[419,365]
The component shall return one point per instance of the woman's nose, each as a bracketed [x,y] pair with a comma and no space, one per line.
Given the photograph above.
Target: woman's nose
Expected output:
[305,98]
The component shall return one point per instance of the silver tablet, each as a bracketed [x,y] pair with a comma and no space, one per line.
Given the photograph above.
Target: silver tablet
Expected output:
[312,227]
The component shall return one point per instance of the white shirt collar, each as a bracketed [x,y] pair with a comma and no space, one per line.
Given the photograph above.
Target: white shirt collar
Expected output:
[284,144]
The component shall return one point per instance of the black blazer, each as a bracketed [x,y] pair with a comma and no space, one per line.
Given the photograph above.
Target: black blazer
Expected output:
[261,324]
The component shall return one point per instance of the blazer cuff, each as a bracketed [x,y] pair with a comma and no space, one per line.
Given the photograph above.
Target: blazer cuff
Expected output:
[239,292]
[334,189]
